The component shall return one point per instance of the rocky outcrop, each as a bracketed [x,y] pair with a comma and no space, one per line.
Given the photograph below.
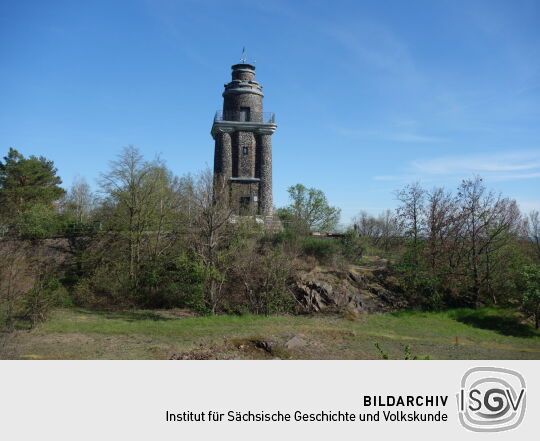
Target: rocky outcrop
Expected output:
[356,288]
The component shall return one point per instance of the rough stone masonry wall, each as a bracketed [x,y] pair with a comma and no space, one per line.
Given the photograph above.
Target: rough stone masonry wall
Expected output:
[246,163]
[223,155]
[265,186]
[244,189]
[244,75]
[233,102]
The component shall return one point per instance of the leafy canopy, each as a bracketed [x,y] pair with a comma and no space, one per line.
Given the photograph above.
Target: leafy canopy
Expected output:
[309,209]
[27,181]
[531,294]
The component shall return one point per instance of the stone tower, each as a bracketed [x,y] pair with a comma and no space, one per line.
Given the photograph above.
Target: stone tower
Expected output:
[243,144]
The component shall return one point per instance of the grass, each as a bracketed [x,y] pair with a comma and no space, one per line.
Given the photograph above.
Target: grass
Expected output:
[456,334]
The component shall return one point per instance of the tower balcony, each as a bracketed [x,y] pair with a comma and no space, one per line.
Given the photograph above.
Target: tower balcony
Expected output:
[243,116]
[245,121]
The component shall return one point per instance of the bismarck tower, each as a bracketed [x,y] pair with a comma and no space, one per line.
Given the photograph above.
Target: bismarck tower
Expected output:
[243,145]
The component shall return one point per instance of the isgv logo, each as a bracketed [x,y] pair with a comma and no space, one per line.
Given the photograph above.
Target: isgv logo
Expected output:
[491,399]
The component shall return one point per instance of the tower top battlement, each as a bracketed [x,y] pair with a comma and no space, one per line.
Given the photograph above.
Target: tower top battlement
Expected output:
[243,66]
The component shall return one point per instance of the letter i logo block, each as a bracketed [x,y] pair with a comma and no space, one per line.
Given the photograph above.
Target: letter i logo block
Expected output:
[491,399]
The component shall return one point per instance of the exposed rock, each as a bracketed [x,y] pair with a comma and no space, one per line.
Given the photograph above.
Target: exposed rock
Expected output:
[356,288]
[296,342]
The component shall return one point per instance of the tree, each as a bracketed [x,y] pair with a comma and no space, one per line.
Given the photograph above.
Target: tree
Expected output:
[142,207]
[440,223]
[38,221]
[489,223]
[80,200]
[412,199]
[309,209]
[389,229]
[531,294]
[27,181]
[533,230]
[410,214]
[135,191]
[209,238]
[383,231]
[367,225]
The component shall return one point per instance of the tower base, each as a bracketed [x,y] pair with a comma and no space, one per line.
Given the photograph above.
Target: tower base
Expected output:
[270,223]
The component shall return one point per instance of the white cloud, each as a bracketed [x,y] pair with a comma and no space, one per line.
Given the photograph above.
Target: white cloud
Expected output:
[528,206]
[482,164]
[512,177]
[495,167]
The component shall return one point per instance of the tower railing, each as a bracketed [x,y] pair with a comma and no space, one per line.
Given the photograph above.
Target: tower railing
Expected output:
[243,116]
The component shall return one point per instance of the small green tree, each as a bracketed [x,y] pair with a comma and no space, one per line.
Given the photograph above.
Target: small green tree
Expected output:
[531,295]
[309,209]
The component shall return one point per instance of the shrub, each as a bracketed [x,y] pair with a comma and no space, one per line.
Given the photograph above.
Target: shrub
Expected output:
[531,295]
[322,249]
[45,294]
[105,285]
[191,279]
[38,222]
[259,282]
[352,247]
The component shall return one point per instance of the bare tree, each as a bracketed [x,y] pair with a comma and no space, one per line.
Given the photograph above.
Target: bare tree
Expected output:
[382,230]
[209,233]
[367,225]
[80,200]
[412,199]
[488,224]
[389,229]
[410,213]
[440,223]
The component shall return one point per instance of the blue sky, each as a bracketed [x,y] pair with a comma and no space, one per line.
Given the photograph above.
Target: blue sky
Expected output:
[368,95]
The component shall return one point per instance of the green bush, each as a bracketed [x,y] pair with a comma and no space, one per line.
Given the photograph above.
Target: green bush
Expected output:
[348,248]
[191,280]
[38,222]
[105,285]
[286,236]
[322,249]
[531,294]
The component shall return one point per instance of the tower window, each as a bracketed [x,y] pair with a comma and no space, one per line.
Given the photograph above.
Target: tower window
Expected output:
[245,114]
[245,150]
